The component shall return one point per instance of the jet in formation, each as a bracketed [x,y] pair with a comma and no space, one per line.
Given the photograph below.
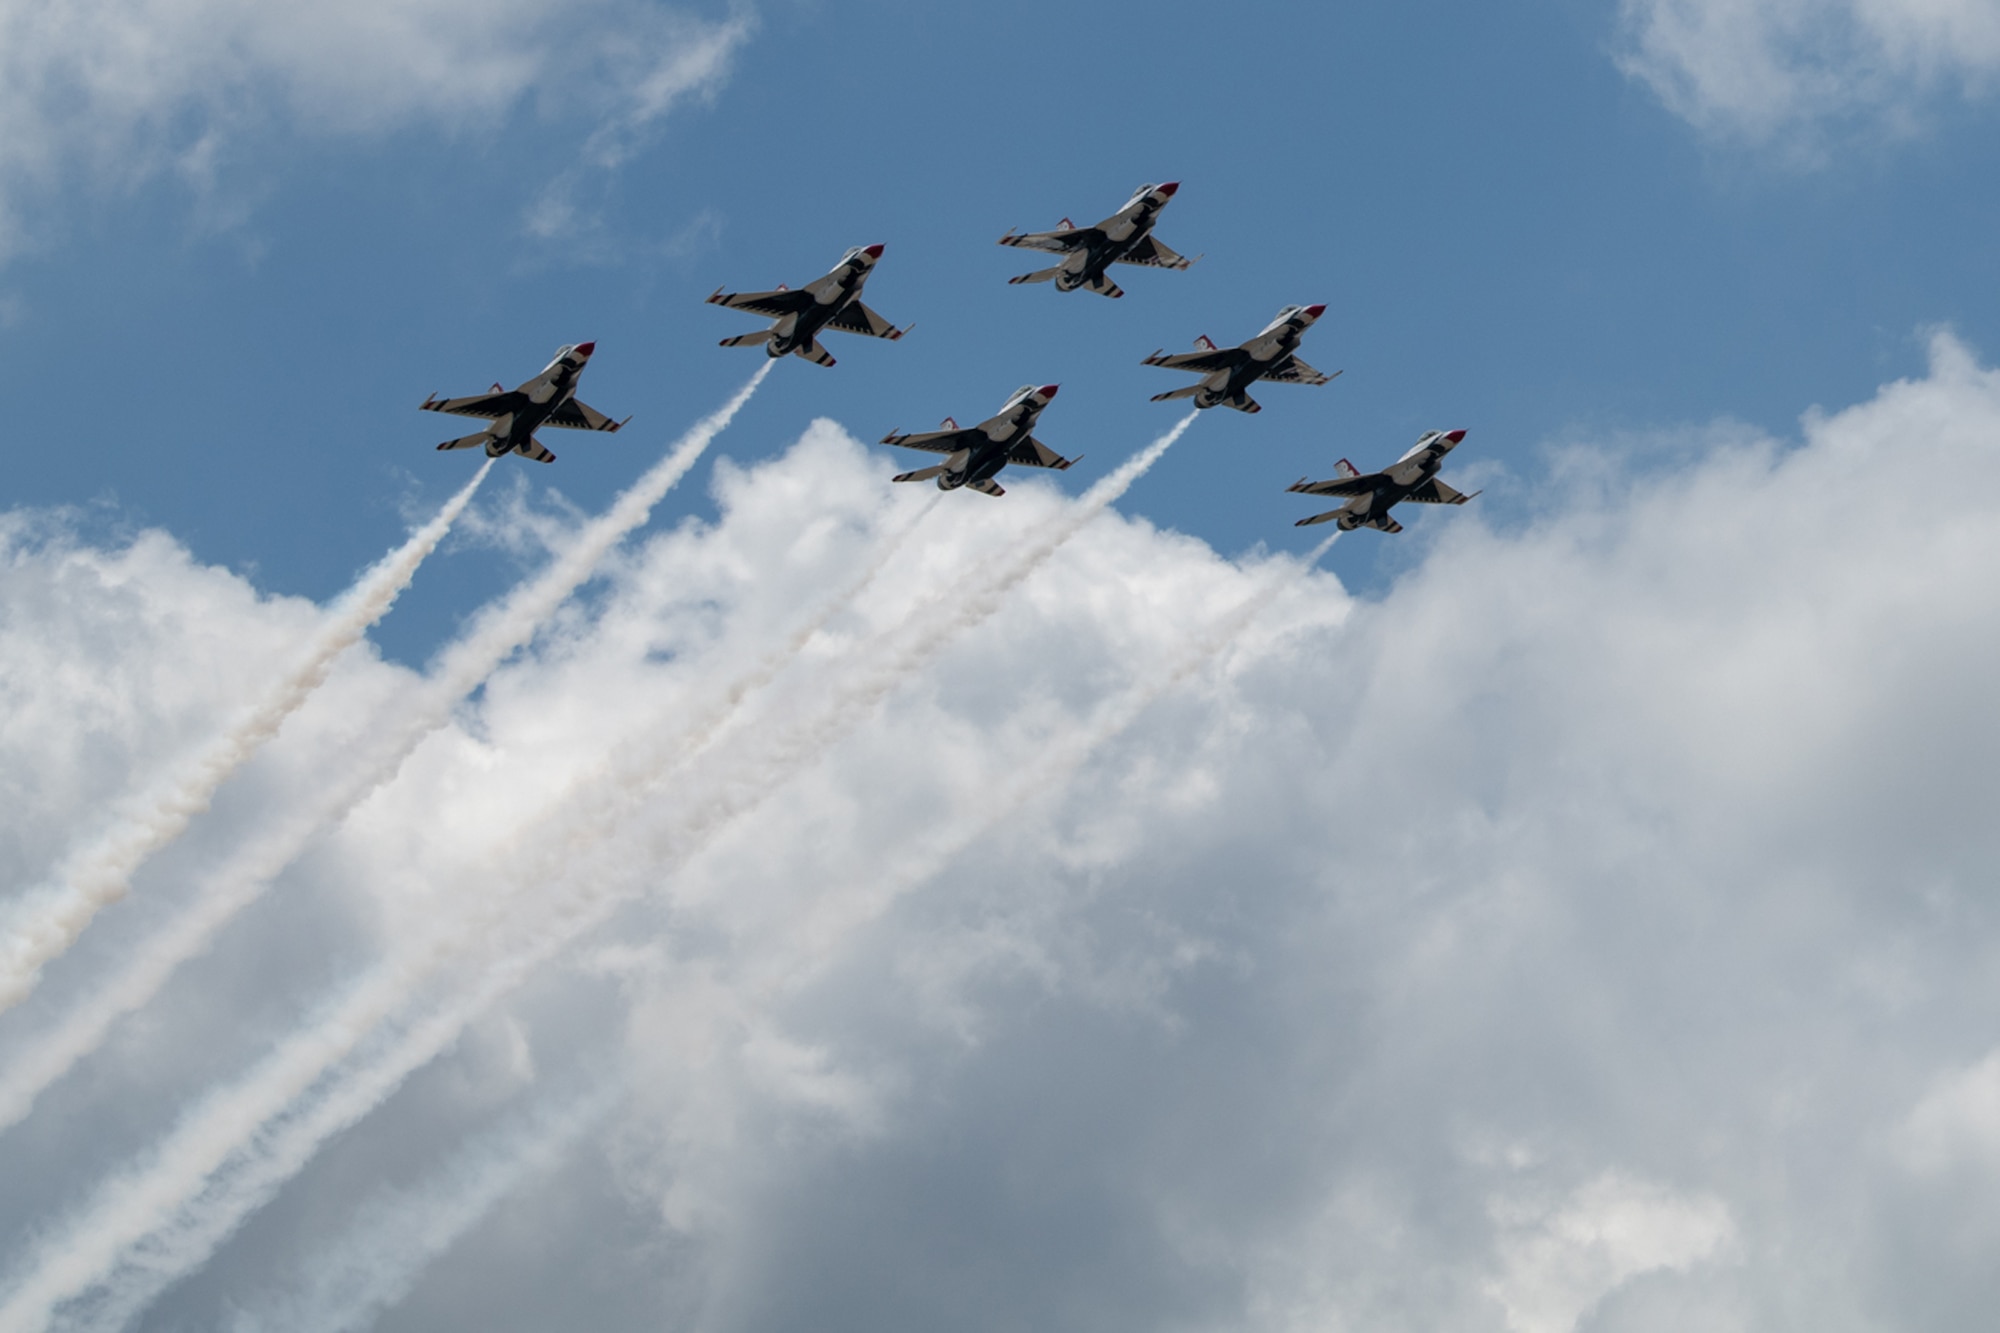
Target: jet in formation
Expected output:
[1126,237]
[549,399]
[1228,371]
[831,302]
[1414,477]
[978,452]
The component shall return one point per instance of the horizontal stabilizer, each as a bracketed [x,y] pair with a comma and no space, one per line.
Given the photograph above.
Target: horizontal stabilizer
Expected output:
[747,339]
[478,441]
[1243,402]
[1188,392]
[814,353]
[1319,518]
[1104,286]
[1039,275]
[921,474]
[986,486]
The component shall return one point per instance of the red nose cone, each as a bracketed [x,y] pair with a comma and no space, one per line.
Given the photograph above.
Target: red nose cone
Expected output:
[585,349]
[1315,310]
[872,251]
[1169,188]
[1048,390]
[1455,436]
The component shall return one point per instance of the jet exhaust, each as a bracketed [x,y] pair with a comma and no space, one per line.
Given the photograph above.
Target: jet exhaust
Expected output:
[242,880]
[233,1152]
[52,919]
[399,1233]
[832,916]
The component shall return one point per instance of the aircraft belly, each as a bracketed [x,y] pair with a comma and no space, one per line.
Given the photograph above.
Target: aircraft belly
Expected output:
[987,461]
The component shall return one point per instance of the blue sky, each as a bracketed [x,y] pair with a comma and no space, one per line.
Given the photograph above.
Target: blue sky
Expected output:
[1573,915]
[1511,234]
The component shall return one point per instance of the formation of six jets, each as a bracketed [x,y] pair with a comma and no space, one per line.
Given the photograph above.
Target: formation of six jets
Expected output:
[975,454]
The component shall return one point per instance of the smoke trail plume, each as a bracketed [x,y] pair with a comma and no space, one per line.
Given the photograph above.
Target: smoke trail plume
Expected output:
[398,1234]
[148,1226]
[832,916]
[505,626]
[52,919]
[813,937]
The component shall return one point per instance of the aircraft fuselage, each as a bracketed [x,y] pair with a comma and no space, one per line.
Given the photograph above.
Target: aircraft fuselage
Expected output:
[548,391]
[831,294]
[1268,353]
[984,460]
[1399,479]
[1113,239]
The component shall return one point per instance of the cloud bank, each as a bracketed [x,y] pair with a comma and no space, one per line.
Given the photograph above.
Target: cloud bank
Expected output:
[113,92]
[1590,934]
[1764,70]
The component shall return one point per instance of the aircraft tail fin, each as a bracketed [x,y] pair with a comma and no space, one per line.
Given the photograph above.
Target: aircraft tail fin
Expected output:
[1039,275]
[747,339]
[1346,469]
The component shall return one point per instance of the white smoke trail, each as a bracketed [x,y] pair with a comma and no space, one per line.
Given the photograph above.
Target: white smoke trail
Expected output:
[398,1234]
[504,627]
[812,941]
[52,918]
[151,1224]
[831,916]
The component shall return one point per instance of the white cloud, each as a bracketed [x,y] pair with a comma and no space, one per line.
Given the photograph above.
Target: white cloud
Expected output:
[1957,1124]
[118,91]
[1561,941]
[1768,69]
[1559,1261]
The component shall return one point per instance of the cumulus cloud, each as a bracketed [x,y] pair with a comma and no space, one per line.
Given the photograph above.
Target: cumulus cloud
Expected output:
[1765,69]
[1591,933]
[117,91]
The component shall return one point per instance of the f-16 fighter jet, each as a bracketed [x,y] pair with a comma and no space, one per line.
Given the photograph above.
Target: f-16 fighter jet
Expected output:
[549,399]
[1126,237]
[831,302]
[1227,371]
[979,452]
[1414,476]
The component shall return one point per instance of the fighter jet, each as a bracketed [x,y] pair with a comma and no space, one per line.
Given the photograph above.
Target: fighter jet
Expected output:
[1227,371]
[1414,476]
[1126,237]
[981,451]
[549,399]
[831,302]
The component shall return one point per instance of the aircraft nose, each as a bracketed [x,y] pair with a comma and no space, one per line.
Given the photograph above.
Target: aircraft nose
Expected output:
[1048,390]
[1169,188]
[1315,311]
[872,251]
[1455,436]
[585,349]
